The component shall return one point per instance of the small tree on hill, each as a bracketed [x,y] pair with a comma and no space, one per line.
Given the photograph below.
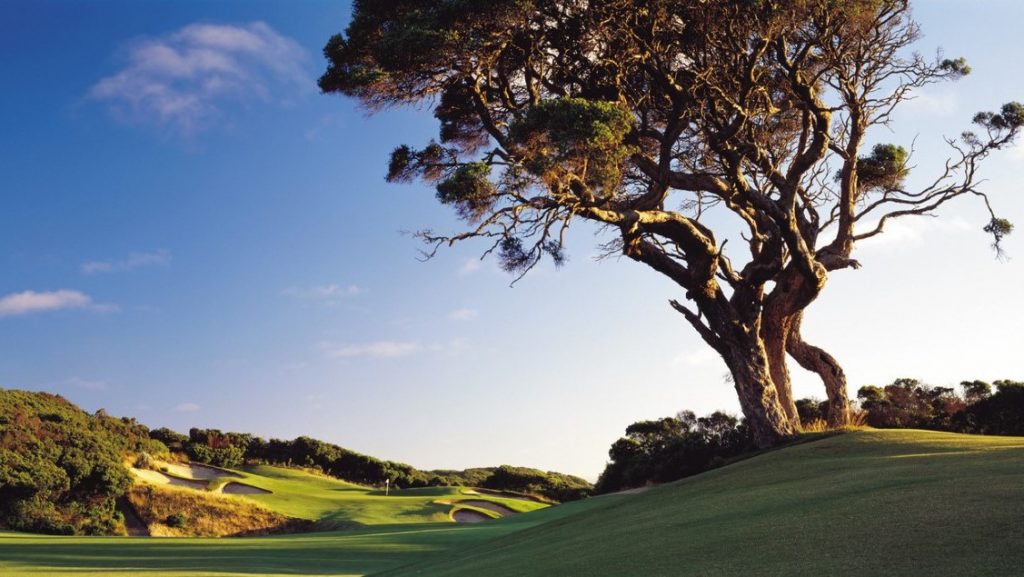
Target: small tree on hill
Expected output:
[646,116]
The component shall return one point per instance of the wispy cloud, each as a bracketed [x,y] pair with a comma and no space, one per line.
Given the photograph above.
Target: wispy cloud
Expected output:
[463,314]
[86,384]
[132,261]
[29,302]
[931,103]
[331,294]
[900,234]
[186,408]
[377,349]
[469,266]
[185,80]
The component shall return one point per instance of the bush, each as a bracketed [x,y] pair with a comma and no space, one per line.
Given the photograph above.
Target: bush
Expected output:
[60,468]
[672,448]
[177,520]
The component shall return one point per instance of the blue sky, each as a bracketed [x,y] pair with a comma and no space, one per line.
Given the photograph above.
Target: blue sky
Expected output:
[192,235]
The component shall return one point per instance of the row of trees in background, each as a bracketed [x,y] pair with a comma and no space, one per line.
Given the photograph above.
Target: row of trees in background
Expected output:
[675,447]
[229,449]
[982,408]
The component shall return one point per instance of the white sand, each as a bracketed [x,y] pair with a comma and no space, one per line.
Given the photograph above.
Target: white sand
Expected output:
[469,516]
[195,471]
[158,478]
[489,505]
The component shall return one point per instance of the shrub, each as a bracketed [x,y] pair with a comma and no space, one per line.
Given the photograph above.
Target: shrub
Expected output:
[177,520]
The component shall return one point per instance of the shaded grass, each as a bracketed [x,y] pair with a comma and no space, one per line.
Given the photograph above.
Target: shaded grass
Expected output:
[355,552]
[899,503]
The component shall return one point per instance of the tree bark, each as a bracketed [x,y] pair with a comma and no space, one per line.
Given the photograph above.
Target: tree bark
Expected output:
[775,333]
[827,368]
[759,399]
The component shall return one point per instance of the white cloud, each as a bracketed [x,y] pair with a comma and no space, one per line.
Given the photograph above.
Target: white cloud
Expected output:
[911,232]
[187,408]
[469,266]
[88,385]
[932,103]
[185,80]
[134,260]
[378,349]
[463,314]
[29,302]
[331,294]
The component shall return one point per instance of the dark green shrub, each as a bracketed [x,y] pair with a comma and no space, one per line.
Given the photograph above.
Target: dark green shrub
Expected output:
[177,520]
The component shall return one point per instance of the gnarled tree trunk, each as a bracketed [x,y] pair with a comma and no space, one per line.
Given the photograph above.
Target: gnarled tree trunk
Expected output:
[759,398]
[827,368]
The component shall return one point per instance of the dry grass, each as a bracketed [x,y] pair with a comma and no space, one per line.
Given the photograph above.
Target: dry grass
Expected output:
[858,420]
[206,515]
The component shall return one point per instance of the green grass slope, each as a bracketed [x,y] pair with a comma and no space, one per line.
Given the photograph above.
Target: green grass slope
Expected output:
[871,503]
[355,552]
[337,504]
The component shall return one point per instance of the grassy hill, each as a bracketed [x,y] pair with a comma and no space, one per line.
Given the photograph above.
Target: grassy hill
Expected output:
[867,503]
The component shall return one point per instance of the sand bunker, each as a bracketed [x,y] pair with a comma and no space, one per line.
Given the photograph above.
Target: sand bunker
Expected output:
[469,516]
[158,478]
[196,471]
[490,506]
[242,489]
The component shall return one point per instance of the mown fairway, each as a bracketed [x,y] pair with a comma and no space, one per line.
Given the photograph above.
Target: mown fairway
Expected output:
[337,504]
[866,504]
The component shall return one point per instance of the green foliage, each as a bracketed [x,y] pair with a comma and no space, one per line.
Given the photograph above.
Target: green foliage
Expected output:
[672,448]
[177,520]
[469,191]
[60,468]
[578,137]
[975,391]
[552,485]
[956,67]
[1001,413]
[999,228]
[170,439]
[910,404]
[884,169]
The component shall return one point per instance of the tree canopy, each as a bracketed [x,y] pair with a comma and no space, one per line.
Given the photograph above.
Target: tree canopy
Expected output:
[647,116]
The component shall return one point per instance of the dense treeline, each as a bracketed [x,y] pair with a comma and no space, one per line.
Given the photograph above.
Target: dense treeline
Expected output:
[554,486]
[908,403]
[676,447]
[61,468]
[673,448]
[228,449]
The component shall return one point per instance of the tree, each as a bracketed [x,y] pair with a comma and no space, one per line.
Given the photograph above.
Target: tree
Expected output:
[908,403]
[647,116]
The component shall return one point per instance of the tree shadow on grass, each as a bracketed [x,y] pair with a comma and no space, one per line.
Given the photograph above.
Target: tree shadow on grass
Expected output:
[347,553]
